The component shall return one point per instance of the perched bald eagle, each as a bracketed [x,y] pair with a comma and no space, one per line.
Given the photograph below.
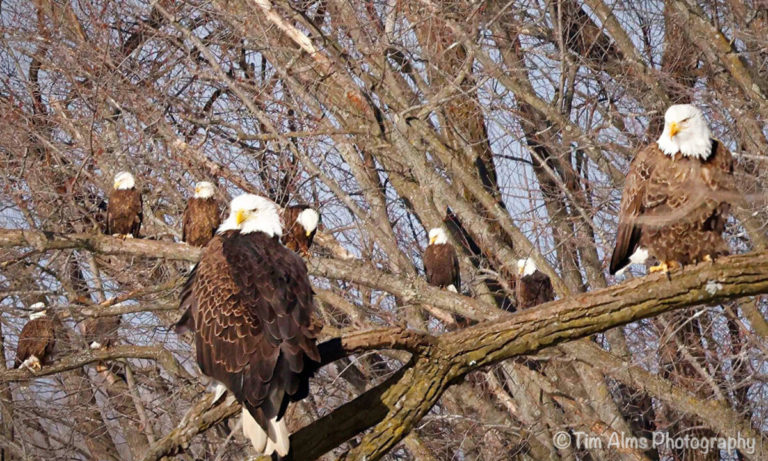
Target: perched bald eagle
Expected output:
[201,216]
[36,340]
[250,302]
[300,227]
[674,202]
[101,332]
[124,213]
[532,287]
[441,263]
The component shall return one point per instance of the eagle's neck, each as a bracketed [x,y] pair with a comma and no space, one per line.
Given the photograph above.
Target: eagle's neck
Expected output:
[694,142]
[270,227]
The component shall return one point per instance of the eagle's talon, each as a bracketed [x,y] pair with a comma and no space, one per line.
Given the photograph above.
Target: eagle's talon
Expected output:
[661,267]
[665,267]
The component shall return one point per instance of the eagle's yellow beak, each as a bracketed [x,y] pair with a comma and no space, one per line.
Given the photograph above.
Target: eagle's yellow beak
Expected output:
[673,129]
[197,190]
[432,240]
[115,185]
[308,232]
[520,270]
[240,216]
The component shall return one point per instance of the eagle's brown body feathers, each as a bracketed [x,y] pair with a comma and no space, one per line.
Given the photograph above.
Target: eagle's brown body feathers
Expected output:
[124,212]
[532,290]
[37,338]
[200,220]
[250,300]
[441,265]
[675,208]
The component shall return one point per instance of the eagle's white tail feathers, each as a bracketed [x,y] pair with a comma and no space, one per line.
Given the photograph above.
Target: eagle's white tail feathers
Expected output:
[218,391]
[640,256]
[275,439]
[452,288]
[278,438]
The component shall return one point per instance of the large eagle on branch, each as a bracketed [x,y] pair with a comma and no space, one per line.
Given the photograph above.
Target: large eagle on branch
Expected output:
[249,300]
[675,201]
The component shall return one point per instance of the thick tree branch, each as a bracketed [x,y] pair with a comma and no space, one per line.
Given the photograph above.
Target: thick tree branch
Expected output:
[524,333]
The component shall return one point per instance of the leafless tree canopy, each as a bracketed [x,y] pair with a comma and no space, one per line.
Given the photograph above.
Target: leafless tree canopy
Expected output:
[511,124]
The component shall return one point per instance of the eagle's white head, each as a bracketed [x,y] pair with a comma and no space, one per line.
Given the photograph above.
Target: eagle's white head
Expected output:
[437,236]
[204,189]
[685,131]
[251,213]
[526,267]
[124,180]
[39,311]
[308,219]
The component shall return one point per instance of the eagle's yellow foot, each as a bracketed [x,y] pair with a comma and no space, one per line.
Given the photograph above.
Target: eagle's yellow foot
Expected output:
[665,267]
[708,259]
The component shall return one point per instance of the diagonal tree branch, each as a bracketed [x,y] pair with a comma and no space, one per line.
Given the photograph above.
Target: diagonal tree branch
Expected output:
[458,353]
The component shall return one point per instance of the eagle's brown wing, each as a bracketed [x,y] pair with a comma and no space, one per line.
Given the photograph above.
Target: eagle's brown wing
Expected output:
[186,221]
[717,173]
[430,263]
[633,204]
[253,318]
[456,269]
[36,338]
[137,208]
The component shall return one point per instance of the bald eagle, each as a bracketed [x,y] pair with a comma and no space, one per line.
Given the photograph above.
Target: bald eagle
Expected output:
[532,287]
[101,332]
[441,263]
[124,212]
[36,340]
[201,216]
[674,202]
[300,227]
[249,300]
